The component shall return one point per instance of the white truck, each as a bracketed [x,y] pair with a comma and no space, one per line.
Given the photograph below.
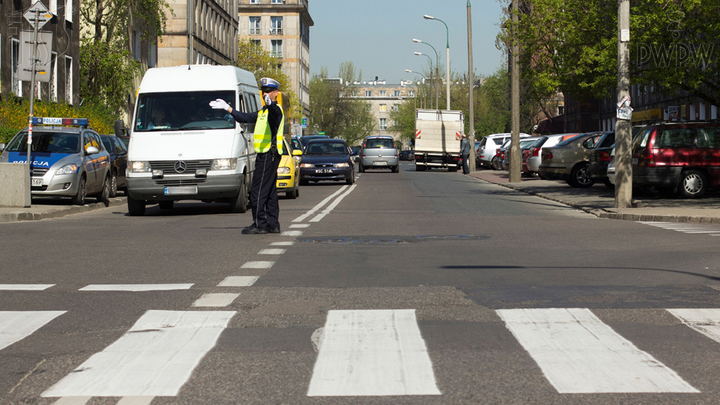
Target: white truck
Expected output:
[180,148]
[437,138]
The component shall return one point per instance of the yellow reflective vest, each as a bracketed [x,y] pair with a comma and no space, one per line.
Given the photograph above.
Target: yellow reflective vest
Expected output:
[262,138]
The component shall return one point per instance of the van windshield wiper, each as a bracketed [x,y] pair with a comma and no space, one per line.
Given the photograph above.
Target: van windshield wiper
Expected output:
[197,127]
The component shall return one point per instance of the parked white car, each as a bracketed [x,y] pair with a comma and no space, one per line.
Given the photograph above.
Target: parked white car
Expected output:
[533,161]
[488,147]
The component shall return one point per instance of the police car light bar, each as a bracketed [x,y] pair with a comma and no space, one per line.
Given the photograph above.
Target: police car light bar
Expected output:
[82,122]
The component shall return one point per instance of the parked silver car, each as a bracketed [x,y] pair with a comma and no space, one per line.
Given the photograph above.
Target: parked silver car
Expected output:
[379,151]
[65,161]
[569,159]
[535,153]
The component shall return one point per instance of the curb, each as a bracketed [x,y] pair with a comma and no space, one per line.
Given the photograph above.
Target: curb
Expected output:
[612,213]
[55,212]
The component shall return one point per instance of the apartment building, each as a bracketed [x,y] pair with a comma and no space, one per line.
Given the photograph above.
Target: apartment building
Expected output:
[61,73]
[384,97]
[199,32]
[283,28]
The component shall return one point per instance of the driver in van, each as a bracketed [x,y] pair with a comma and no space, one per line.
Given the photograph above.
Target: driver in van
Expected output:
[263,194]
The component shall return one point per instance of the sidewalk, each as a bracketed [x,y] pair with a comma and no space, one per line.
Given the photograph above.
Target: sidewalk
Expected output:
[53,208]
[600,200]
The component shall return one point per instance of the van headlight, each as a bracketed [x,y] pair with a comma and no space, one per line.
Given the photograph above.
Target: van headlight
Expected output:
[224,164]
[139,166]
[67,169]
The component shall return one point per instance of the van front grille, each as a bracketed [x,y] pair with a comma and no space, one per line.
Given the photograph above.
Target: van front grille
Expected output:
[170,166]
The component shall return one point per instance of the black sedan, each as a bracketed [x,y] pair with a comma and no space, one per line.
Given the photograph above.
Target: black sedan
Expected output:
[118,160]
[327,159]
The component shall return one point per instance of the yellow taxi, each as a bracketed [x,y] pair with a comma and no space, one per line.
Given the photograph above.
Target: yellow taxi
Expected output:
[288,181]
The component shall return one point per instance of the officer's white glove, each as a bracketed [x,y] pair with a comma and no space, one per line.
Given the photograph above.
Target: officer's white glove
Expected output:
[219,104]
[267,99]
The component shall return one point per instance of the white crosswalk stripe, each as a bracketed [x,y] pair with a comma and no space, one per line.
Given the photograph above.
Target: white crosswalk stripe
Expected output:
[709,229]
[365,353]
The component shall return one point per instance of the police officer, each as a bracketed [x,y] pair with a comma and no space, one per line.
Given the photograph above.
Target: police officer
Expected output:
[263,194]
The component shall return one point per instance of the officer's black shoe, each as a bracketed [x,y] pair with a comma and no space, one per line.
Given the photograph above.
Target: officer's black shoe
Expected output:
[253,230]
[275,229]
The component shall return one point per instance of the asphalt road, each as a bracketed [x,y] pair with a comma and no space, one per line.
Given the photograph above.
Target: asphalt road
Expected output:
[406,288]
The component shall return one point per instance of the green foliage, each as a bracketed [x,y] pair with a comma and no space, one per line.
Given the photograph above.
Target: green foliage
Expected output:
[403,120]
[107,73]
[14,113]
[335,111]
[571,45]
[253,58]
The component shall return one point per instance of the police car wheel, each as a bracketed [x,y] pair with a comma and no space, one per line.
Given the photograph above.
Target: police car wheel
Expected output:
[79,198]
[113,185]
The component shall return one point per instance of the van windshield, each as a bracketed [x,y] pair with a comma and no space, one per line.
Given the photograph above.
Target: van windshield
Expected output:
[183,111]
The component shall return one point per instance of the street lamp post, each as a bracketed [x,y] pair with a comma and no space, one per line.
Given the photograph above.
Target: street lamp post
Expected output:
[437,64]
[430,59]
[447,56]
[423,76]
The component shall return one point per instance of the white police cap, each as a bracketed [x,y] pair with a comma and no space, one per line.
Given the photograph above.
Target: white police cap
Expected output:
[269,84]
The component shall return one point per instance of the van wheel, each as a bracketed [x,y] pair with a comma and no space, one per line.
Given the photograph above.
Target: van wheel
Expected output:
[693,184]
[79,198]
[136,208]
[240,203]
[579,177]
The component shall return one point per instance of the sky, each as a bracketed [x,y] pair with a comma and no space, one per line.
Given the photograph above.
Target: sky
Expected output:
[376,36]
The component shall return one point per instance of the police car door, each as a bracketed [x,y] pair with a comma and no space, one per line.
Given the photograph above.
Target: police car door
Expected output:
[89,161]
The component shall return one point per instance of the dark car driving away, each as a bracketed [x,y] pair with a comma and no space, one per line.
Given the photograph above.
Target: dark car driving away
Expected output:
[327,159]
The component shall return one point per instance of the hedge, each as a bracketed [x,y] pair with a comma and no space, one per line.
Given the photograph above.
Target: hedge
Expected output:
[14,113]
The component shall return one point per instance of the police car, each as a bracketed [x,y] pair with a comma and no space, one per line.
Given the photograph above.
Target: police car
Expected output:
[67,159]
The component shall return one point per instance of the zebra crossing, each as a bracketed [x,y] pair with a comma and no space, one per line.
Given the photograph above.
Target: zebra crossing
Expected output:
[366,353]
[706,229]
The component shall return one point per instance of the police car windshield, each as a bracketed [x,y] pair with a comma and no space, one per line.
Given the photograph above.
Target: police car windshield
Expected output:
[183,111]
[48,142]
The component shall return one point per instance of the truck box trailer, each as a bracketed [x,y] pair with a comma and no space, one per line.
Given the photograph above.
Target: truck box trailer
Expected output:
[437,138]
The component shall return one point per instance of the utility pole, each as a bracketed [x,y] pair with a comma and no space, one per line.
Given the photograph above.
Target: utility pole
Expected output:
[515,163]
[623,131]
[471,80]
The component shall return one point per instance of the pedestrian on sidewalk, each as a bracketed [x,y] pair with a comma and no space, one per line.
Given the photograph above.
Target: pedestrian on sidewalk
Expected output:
[263,194]
[465,153]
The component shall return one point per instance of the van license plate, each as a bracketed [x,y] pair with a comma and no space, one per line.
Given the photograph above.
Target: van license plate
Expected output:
[380,163]
[181,190]
[323,170]
[36,182]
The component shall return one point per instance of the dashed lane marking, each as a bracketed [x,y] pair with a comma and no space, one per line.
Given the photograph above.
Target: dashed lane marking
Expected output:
[272,251]
[215,300]
[136,287]
[25,287]
[292,233]
[17,325]
[257,265]
[238,281]
[288,243]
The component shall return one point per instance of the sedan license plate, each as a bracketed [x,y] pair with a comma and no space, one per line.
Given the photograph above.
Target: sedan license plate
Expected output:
[36,182]
[181,190]
[380,163]
[323,170]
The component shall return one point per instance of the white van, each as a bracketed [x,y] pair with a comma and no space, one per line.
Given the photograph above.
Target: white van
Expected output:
[180,148]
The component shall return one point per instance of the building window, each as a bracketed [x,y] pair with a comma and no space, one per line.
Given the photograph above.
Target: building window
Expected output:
[68,80]
[368,93]
[396,93]
[383,93]
[68,10]
[254,1]
[395,107]
[383,107]
[276,48]
[276,26]
[277,1]
[383,124]
[53,77]
[254,25]
[257,42]
[15,60]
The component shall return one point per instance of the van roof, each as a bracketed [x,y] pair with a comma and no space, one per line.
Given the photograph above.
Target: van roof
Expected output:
[195,78]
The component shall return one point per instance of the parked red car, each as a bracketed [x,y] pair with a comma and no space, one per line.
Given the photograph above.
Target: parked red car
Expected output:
[681,157]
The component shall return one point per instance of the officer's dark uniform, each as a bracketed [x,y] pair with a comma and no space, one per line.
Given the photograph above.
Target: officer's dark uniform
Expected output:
[263,194]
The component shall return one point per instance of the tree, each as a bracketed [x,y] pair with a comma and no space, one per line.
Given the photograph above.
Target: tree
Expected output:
[106,64]
[571,45]
[334,110]
[253,58]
